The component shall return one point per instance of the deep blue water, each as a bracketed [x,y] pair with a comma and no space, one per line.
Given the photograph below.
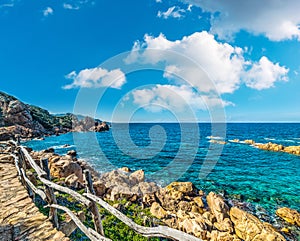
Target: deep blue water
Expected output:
[169,152]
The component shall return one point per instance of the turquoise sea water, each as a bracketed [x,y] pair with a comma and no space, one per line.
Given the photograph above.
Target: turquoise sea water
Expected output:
[268,179]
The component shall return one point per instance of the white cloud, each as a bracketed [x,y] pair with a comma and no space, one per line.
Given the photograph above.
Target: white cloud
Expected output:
[224,65]
[264,74]
[210,67]
[189,8]
[48,11]
[76,4]
[172,97]
[96,78]
[174,12]
[277,20]
[70,6]
[200,51]
[7,4]
[158,1]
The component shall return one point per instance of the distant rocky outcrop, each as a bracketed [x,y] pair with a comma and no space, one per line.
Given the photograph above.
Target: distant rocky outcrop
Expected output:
[28,121]
[270,146]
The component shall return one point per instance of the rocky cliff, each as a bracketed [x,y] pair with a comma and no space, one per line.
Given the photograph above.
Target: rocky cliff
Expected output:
[28,121]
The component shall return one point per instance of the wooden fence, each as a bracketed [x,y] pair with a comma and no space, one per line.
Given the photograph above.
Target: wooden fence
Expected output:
[21,157]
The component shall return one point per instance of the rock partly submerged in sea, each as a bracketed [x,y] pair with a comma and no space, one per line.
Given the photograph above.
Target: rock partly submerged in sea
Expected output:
[291,216]
[270,146]
[249,142]
[249,227]
[279,148]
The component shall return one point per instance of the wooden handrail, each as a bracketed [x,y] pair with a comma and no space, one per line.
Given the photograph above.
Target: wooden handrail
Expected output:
[32,163]
[94,236]
[160,231]
[87,199]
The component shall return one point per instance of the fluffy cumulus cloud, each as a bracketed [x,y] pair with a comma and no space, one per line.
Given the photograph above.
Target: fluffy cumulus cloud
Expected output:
[277,20]
[47,11]
[210,67]
[173,97]
[264,73]
[222,62]
[172,12]
[96,78]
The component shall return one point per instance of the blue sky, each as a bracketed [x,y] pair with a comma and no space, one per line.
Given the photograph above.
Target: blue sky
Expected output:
[180,59]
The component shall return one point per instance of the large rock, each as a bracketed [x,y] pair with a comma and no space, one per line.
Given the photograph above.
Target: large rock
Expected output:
[99,188]
[270,147]
[289,215]
[279,148]
[186,188]
[157,211]
[122,183]
[250,142]
[147,188]
[292,150]
[191,226]
[199,201]
[248,227]
[223,236]
[99,127]
[217,206]
[73,181]
[137,177]
[64,167]
[171,195]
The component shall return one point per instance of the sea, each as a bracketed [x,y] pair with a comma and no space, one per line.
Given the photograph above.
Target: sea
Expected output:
[202,153]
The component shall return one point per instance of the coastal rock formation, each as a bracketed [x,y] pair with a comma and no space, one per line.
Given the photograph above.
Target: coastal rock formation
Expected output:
[61,167]
[28,121]
[158,211]
[292,150]
[248,227]
[113,185]
[119,183]
[174,193]
[210,218]
[270,146]
[279,148]
[99,127]
[250,142]
[179,205]
[218,142]
[220,210]
[289,215]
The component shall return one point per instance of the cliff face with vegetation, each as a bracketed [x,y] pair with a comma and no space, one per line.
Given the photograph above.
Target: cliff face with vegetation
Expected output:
[28,121]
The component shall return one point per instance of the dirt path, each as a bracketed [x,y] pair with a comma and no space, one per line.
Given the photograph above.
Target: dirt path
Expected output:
[20,219]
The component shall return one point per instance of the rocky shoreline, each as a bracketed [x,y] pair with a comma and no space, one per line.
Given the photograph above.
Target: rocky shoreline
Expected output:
[295,150]
[20,120]
[179,205]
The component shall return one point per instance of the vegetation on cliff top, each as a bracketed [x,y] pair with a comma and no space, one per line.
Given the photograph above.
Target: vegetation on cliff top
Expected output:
[32,121]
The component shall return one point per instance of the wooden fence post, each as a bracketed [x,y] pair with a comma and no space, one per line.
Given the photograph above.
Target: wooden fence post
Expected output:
[93,208]
[50,194]
[22,166]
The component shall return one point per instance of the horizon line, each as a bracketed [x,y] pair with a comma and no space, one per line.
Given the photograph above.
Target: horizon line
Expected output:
[206,122]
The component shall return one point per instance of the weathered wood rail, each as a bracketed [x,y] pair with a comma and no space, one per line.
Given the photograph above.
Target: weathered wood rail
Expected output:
[21,157]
